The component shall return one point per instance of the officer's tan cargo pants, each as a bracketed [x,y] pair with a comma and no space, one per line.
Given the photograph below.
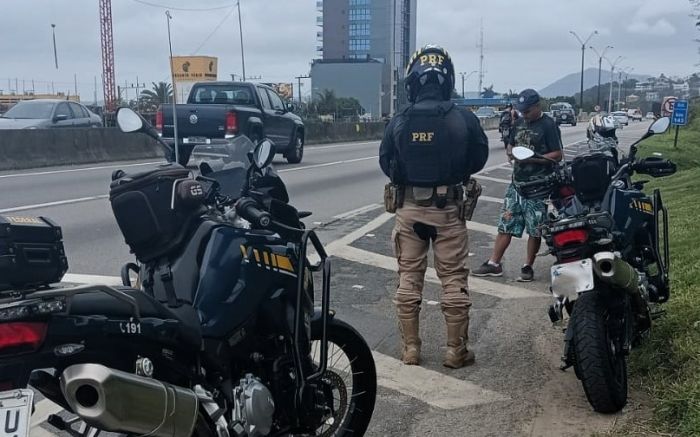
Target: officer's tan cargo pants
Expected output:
[451,249]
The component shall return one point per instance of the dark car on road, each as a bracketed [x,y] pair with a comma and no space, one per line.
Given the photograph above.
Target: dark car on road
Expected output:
[217,110]
[47,113]
[563,113]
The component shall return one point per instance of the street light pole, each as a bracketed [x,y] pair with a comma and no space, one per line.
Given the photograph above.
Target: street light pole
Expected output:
[240,29]
[465,76]
[600,67]
[583,56]
[55,52]
[172,75]
[612,79]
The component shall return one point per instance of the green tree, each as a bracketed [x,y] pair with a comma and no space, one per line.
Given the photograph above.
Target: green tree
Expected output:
[349,107]
[161,92]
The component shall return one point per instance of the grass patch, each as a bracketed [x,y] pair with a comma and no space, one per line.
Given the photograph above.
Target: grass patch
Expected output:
[668,365]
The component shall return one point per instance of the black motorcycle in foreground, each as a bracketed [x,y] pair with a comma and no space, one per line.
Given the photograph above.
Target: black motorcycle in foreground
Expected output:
[220,337]
[610,240]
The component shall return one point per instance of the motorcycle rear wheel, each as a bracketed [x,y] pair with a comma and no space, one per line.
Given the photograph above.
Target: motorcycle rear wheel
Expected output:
[352,377]
[600,363]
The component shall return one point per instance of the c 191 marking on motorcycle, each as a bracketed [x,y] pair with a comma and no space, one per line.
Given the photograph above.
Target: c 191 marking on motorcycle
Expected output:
[645,207]
[131,328]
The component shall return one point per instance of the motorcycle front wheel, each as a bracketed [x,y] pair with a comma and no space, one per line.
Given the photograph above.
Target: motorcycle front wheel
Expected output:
[600,361]
[352,378]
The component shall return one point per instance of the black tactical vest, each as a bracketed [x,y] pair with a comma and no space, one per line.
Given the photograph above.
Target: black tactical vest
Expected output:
[432,146]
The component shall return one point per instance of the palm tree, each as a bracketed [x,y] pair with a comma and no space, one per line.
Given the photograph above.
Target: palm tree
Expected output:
[326,102]
[488,92]
[161,93]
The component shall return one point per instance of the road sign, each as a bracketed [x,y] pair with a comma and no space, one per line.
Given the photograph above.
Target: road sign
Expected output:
[667,106]
[680,113]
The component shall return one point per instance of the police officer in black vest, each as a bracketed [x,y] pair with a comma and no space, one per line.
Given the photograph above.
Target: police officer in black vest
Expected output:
[430,149]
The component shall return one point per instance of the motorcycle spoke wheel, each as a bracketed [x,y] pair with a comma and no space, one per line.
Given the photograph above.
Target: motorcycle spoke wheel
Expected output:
[351,379]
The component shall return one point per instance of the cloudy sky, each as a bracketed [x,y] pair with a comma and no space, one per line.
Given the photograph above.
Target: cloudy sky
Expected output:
[527,42]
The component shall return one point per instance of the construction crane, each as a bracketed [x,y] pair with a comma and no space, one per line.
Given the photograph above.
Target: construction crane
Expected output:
[110,86]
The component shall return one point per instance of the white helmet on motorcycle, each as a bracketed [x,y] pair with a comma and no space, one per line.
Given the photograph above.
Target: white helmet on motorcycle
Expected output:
[603,125]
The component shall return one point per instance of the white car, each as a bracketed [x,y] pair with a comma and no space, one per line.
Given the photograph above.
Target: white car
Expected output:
[649,116]
[635,114]
[621,117]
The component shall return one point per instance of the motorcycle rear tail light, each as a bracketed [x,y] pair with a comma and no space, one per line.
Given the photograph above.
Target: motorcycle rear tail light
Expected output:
[19,337]
[572,236]
[231,124]
[159,122]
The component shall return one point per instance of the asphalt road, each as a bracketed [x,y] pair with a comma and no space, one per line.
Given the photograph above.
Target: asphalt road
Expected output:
[332,180]
[514,389]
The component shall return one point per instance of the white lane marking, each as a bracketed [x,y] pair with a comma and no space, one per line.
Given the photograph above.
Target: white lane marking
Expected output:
[42,410]
[49,204]
[476,285]
[340,146]
[437,389]
[328,164]
[489,178]
[493,167]
[73,170]
[360,232]
[490,199]
[92,279]
[358,211]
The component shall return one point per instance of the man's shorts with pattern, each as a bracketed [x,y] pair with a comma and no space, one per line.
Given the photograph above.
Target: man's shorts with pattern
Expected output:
[519,214]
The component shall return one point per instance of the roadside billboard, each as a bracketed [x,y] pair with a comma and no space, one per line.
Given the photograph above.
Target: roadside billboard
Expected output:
[285,90]
[194,68]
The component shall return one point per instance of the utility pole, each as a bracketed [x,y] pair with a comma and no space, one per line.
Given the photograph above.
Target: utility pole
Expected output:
[95,93]
[465,76]
[600,66]
[481,58]
[240,29]
[299,78]
[75,84]
[612,79]
[583,56]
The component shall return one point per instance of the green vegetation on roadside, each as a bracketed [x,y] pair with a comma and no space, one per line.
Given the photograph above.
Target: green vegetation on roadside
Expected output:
[668,365]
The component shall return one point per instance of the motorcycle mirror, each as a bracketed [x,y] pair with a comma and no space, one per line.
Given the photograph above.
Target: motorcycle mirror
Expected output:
[129,121]
[264,154]
[660,126]
[522,153]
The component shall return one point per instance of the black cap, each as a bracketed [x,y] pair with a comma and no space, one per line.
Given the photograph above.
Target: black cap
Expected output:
[526,99]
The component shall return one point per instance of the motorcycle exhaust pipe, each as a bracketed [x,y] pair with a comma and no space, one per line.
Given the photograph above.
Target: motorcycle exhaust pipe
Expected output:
[117,401]
[615,271]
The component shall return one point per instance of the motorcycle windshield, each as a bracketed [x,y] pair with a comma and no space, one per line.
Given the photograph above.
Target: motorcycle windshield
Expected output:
[226,161]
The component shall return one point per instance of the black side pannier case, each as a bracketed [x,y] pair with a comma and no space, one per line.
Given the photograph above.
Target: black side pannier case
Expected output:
[144,207]
[31,253]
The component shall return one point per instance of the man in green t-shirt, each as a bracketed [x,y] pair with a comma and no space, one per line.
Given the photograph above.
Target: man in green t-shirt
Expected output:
[538,132]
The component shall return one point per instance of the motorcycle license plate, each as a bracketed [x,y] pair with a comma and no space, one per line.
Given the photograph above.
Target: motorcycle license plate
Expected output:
[15,412]
[572,277]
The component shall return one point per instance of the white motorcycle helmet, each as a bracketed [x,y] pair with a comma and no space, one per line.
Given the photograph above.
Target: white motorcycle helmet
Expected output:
[602,125]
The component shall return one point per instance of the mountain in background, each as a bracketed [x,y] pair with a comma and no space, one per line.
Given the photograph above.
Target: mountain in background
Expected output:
[571,84]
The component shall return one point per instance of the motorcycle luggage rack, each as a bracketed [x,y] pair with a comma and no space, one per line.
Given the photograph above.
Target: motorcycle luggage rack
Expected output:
[71,291]
[324,265]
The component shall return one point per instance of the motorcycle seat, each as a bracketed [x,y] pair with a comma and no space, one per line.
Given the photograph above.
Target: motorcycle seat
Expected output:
[98,303]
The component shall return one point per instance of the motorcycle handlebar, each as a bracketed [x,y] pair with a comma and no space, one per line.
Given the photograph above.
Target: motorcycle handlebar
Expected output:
[248,209]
